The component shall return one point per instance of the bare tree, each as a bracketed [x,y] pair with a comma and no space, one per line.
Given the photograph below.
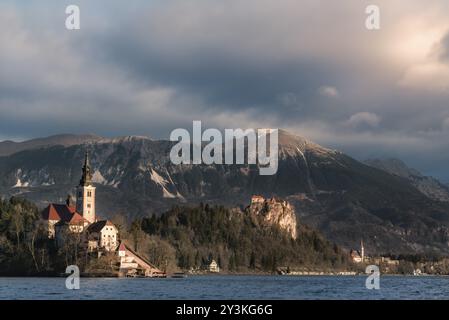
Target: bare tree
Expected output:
[17,223]
[35,234]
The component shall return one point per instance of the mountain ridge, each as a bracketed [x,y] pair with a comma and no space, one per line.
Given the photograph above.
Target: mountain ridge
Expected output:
[345,199]
[429,186]
[9,147]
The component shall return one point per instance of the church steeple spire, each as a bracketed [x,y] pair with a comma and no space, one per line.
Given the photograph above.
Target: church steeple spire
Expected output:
[86,178]
[362,250]
[85,199]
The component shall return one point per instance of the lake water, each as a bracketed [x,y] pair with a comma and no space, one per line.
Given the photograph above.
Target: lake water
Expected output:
[228,287]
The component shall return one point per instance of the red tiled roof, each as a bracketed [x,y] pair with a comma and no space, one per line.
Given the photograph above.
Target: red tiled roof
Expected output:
[77,219]
[58,212]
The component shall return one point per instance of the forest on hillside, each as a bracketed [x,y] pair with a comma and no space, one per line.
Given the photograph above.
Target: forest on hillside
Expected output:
[238,241]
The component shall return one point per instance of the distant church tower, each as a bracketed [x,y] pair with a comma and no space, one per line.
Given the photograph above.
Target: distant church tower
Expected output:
[85,193]
[362,251]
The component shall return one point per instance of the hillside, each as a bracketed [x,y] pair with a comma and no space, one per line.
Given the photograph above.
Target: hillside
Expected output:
[429,186]
[240,241]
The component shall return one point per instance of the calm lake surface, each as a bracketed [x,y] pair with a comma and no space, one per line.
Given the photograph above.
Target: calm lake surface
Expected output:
[228,287]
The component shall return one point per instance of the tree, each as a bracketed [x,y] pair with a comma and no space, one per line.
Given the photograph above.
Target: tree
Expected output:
[136,234]
[70,246]
[161,254]
[252,261]
[33,236]
[119,220]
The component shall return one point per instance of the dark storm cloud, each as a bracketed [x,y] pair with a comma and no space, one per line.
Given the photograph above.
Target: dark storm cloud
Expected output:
[223,81]
[151,66]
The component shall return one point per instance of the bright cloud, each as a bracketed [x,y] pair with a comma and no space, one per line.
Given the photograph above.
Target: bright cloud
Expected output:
[328,91]
[364,119]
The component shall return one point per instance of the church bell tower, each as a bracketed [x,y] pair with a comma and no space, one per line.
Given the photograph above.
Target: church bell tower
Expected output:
[85,193]
[362,251]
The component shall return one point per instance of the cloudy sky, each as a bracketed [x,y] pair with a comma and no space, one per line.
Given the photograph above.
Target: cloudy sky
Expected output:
[308,66]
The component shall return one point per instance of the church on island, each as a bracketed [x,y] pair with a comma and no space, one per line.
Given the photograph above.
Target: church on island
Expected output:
[81,218]
[96,234]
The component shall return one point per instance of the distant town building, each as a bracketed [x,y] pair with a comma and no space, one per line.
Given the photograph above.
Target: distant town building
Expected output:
[212,266]
[358,256]
[389,261]
[355,256]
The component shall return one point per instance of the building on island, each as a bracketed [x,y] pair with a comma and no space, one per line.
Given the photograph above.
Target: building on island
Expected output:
[81,219]
[133,264]
[85,193]
[95,234]
[102,234]
[76,224]
[55,213]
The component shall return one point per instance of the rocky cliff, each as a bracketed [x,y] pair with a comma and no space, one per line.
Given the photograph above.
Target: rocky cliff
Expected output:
[274,212]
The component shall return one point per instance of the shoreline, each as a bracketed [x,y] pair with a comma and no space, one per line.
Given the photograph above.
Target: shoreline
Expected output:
[187,275]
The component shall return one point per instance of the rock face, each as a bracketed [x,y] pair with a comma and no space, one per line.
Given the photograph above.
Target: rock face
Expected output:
[274,212]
